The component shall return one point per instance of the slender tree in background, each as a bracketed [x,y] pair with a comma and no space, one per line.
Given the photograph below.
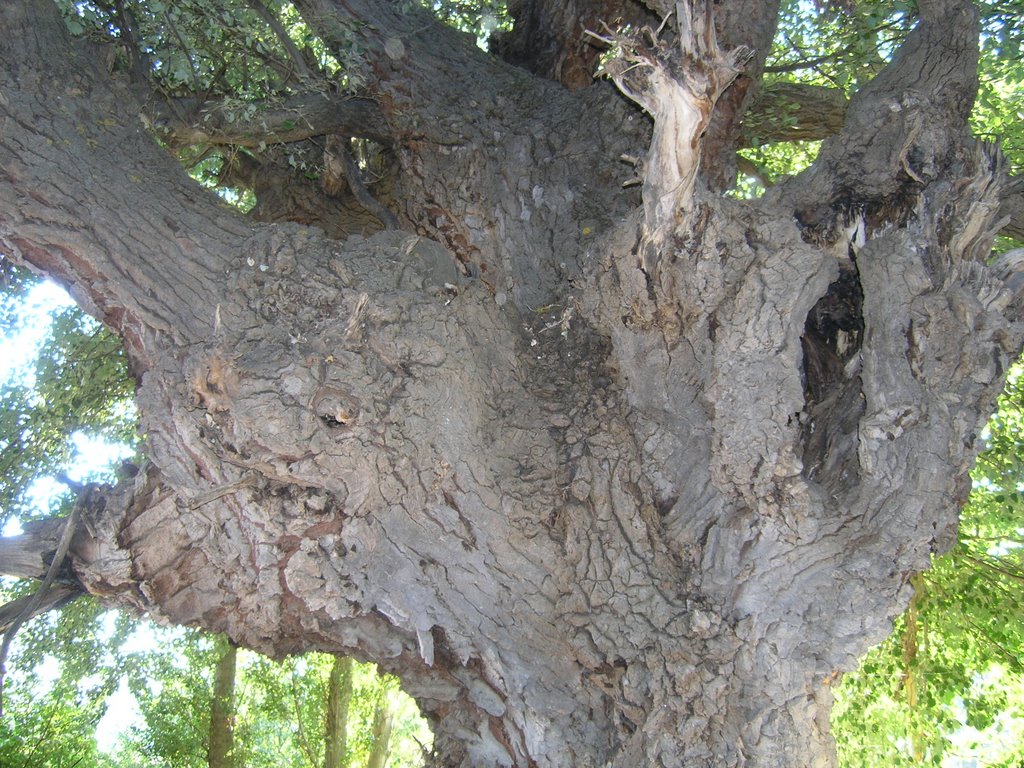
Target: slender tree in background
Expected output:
[606,475]
[221,753]
[383,724]
[339,695]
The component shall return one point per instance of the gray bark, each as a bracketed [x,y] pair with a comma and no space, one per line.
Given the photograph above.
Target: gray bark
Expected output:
[600,489]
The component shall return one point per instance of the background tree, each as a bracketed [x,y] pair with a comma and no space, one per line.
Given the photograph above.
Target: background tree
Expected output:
[602,483]
[339,696]
[221,753]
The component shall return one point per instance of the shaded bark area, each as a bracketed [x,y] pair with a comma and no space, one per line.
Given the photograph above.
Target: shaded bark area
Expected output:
[562,463]
[549,37]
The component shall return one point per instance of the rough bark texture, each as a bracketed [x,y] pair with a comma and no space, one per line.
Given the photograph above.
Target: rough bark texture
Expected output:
[603,484]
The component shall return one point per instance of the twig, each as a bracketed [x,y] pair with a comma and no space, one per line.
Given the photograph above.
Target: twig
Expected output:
[285,39]
[184,50]
[221,490]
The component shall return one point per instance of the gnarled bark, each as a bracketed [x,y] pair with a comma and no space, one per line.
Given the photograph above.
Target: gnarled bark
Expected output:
[590,511]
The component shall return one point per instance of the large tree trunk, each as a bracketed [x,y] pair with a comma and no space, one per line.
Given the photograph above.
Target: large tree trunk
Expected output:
[602,484]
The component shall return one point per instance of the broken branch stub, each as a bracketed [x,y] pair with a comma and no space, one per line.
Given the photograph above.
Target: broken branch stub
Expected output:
[678,87]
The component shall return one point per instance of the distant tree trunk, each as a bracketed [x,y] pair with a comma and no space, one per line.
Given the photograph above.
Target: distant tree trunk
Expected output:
[606,479]
[383,723]
[222,707]
[339,695]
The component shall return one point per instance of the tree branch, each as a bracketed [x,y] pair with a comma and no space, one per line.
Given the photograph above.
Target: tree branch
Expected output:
[48,217]
[800,112]
[22,556]
[58,596]
[738,25]
[230,122]
[1012,208]
[793,112]
[358,189]
[283,37]
[905,126]
[31,607]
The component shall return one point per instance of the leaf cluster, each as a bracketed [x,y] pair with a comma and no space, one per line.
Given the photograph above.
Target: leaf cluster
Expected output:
[78,385]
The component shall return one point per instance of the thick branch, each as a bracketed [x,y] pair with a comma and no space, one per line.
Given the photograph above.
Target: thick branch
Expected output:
[677,85]
[905,126]
[27,607]
[190,121]
[1012,208]
[284,195]
[793,112]
[414,61]
[800,112]
[549,38]
[740,25]
[283,37]
[79,180]
[28,555]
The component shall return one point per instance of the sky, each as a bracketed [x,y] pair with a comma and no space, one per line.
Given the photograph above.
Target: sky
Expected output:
[18,351]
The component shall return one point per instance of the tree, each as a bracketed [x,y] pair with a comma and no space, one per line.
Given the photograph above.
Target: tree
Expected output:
[221,753]
[339,695]
[383,724]
[280,712]
[605,475]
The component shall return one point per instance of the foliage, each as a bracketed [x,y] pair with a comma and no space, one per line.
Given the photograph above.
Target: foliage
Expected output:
[68,664]
[77,388]
[279,708]
[53,705]
[951,678]
[291,697]
[478,17]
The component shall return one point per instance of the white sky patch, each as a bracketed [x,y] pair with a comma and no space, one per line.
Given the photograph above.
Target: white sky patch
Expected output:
[122,713]
[94,455]
[18,351]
